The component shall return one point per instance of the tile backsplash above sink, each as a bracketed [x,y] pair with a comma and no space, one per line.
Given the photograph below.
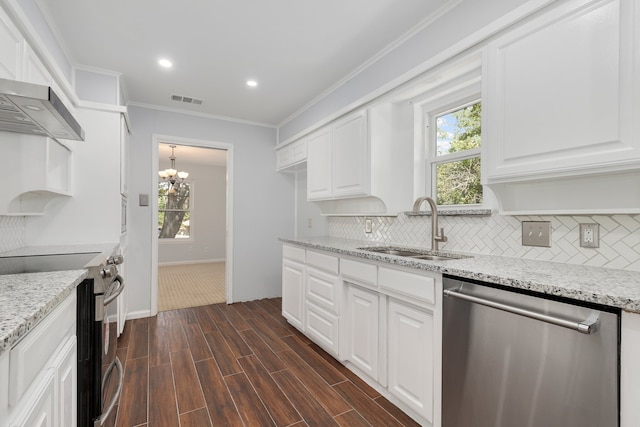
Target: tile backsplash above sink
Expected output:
[502,235]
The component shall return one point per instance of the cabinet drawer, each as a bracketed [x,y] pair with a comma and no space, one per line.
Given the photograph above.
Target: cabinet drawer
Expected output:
[322,288]
[414,285]
[293,253]
[32,354]
[323,327]
[363,273]
[322,261]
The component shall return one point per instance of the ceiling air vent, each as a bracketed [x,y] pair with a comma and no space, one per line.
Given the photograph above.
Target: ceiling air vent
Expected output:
[187,99]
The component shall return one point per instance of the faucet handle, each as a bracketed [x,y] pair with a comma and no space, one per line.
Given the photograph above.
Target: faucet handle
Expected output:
[441,237]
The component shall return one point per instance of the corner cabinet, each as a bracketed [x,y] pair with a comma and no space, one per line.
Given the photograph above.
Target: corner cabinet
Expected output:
[290,156]
[561,110]
[384,323]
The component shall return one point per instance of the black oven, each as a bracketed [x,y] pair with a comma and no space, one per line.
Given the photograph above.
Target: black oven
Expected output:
[99,370]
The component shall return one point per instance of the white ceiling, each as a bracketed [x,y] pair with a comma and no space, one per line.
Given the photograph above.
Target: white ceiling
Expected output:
[295,49]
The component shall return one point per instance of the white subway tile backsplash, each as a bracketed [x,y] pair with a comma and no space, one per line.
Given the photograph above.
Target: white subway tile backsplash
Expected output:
[502,235]
[12,232]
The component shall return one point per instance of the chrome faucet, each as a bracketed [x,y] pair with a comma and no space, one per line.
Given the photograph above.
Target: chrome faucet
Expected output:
[435,237]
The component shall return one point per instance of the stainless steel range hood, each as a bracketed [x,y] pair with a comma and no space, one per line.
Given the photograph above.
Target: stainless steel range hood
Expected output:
[36,110]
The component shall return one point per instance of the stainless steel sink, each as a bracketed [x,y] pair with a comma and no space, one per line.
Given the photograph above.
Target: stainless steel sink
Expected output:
[410,253]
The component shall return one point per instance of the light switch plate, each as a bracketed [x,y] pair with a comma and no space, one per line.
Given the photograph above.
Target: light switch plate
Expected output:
[143,199]
[536,233]
[368,225]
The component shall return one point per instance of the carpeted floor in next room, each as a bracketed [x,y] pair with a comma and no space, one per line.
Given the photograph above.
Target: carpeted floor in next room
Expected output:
[190,285]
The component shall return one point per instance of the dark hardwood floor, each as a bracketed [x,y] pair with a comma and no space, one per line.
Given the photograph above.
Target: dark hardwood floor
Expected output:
[238,365]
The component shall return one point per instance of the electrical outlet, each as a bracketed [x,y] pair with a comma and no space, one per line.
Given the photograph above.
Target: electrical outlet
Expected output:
[536,233]
[309,223]
[368,225]
[590,235]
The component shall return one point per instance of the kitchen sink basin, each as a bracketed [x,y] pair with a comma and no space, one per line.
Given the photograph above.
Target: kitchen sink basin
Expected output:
[410,253]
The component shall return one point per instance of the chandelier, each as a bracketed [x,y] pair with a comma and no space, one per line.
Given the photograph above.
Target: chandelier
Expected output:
[171,175]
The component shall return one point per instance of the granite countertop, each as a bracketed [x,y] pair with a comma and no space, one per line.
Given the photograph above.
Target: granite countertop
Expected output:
[25,299]
[606,286]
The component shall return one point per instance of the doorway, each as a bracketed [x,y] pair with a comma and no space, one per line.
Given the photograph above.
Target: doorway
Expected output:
[192,264]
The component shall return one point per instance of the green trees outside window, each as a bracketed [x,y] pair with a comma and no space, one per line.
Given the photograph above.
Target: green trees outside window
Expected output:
[458,143]
[173,210]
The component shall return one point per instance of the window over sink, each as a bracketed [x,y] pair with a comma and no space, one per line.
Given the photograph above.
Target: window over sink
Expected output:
[455,165]
[451,138]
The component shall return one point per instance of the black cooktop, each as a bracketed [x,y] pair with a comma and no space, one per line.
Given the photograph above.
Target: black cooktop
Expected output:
[46,262]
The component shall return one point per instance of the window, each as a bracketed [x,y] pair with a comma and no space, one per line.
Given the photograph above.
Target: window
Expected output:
[453,159]
[174,215]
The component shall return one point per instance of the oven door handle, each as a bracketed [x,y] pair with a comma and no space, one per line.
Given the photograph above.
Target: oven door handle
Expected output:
[105,414]
[118,290]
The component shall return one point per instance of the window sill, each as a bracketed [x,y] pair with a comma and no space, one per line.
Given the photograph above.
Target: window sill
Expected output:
[454,212]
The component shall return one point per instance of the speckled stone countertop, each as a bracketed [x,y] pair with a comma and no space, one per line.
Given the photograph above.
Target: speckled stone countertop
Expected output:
[25,299]
[611,287]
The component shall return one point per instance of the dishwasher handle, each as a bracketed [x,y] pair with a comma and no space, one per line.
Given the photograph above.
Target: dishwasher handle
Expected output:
[588,326]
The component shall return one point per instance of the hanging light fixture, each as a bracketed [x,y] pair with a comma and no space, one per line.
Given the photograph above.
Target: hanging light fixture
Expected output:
[171,175]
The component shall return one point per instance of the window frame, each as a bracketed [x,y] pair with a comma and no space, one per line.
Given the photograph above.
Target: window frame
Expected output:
[178,240]
[441,101]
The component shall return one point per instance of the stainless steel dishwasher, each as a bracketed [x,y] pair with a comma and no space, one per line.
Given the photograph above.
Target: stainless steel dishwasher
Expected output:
[516,359]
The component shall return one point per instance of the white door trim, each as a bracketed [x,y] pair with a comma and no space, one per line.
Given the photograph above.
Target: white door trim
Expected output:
[156,139]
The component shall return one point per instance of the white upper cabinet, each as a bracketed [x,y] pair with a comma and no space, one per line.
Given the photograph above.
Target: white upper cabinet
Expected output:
[319,164]
[351,156]
[561,102]
[291,155]
[11,46]
[338,159]
[363,162]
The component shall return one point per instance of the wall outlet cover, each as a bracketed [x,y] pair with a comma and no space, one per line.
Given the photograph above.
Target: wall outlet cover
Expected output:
[536,233]
[590,235]
[368,225]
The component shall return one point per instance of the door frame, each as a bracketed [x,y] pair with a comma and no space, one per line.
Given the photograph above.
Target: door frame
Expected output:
[157,139]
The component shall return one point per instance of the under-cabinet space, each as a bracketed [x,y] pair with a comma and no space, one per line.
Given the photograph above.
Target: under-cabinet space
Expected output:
[43,167]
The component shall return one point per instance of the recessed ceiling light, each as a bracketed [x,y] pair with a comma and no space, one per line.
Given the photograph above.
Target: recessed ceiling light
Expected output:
[252,83]
[165,63]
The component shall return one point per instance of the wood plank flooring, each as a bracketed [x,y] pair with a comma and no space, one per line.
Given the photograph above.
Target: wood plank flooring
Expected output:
[238,365]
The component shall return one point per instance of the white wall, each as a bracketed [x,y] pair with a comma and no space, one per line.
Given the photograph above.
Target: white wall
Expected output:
[263,201]
[407,60]
[92,215]
[208,216]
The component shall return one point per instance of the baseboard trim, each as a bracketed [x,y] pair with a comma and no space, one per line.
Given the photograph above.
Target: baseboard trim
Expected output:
[201,261]
[140,314]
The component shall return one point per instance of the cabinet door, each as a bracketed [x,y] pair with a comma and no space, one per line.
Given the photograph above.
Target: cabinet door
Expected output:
[65,366]
[293,292]
[362,330]
[351,176]
[40,410]
[11,42]
[560,93]
[319,165]
[410,356]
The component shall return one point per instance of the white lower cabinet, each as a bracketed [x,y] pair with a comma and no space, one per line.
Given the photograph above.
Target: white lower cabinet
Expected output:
[322,301]
[410,349]
[293,292]
[39,374]
[362,334]
[323,328]
[383,322]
